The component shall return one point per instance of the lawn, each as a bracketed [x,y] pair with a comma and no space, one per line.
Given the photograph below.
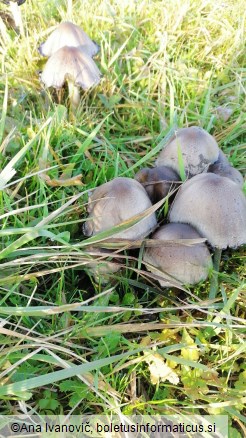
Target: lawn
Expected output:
[70,344]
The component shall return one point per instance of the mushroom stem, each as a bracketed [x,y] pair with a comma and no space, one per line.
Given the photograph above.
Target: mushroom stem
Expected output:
[214,279]
[74,94]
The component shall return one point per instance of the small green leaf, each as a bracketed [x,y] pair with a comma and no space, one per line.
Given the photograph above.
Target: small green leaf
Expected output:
[241,382]
[233,433]
[128,299]
[109,344]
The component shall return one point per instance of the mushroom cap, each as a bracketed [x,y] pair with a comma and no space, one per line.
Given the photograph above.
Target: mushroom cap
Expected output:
[157,181]
[199,149]
[115,202]
[215,206]
[70,35]
[73,64]
[188,264]
[222,167]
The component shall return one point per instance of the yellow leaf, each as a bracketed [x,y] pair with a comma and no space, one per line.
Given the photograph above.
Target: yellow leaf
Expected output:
[190,352]
[159,370]
[63,181]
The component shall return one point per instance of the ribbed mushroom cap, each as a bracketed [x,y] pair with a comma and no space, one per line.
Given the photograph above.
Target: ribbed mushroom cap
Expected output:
[70,35]
[215,206]
[115,202]
[73,64]
[157,181]
[188,264]
[199,149]
[222,167]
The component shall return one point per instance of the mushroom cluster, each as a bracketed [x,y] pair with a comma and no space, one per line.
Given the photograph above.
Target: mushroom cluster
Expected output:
[209,206]
[70,52]
[210,200]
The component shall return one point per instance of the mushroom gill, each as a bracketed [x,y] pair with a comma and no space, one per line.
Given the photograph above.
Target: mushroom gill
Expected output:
[73,65]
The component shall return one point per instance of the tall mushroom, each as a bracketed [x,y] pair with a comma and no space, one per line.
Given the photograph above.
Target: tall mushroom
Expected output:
[70,35]
[188,263]
[198,148]
[73,65]
[216,207]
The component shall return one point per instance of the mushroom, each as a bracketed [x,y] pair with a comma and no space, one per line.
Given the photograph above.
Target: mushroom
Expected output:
[216,207]
[222,167]
[158,182]
[198,148]
[73,65]
[70,35]
[188,263]
[117,201]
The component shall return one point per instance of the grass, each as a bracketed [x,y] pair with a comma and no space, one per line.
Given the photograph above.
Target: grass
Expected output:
[69,344]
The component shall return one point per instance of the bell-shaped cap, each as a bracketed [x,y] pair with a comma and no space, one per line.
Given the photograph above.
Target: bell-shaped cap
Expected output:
[215,206]
[222,167]
[158,182]
[115,202]
[70,35]
[70,63]
[198,148]
[188,263]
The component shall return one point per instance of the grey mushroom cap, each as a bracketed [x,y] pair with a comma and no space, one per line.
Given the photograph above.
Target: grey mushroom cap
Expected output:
[222,167]
[70,35]
[70,63]
[199,149]
[189,264]
[115,202]
[158,182]
[215,206]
